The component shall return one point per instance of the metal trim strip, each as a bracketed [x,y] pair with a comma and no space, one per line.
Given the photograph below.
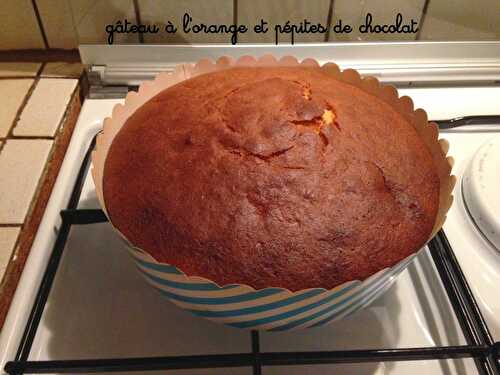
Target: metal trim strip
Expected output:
[390,61]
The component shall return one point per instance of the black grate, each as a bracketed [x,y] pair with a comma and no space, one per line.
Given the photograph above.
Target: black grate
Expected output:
[480,345]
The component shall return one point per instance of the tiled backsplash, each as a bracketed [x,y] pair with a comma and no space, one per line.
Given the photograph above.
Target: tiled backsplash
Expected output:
[29,129]
[28,24]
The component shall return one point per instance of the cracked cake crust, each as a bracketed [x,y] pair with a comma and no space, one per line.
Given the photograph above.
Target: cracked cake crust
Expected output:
[271,177]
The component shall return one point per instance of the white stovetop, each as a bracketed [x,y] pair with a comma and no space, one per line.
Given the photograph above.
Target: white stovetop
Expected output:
[100,307]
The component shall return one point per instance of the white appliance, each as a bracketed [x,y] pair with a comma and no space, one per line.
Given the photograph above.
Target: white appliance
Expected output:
[100,307]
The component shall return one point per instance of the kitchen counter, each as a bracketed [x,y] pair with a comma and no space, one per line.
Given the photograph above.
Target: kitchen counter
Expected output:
[40,104]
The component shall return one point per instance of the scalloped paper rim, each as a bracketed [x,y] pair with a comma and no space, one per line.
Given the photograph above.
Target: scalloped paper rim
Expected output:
[403,105]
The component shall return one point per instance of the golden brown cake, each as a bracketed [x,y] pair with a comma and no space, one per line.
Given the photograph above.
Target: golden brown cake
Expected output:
[271,177]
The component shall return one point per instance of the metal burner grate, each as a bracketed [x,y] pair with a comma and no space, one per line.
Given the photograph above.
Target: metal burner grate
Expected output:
[480,345]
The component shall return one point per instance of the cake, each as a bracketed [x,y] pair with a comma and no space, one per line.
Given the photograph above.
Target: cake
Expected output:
[271,177]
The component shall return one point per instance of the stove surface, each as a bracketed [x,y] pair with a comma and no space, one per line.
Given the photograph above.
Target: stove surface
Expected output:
[100,306]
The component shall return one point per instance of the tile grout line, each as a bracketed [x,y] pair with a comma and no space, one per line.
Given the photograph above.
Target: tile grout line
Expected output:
[422,19]
[10,133]
[6,78]
[329,18]
[40,55]
[67,77]
[40,23]
[42,67]
[235,15]
[138,19]
[28,137]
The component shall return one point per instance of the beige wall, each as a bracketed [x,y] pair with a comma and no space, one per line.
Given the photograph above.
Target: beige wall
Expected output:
[68,23]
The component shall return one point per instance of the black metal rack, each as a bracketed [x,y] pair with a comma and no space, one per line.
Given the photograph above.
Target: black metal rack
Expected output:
[480,345]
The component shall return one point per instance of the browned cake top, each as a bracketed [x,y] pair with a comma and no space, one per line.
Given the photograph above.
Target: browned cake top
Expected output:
[280,177]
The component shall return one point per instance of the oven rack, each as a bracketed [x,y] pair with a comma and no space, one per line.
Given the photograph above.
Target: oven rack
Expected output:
[480,345]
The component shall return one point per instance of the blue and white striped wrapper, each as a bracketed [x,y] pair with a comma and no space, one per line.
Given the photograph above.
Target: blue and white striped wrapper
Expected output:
[271,309]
